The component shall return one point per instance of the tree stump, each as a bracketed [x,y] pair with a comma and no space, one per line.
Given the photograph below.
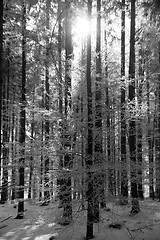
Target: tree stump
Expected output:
[135,206]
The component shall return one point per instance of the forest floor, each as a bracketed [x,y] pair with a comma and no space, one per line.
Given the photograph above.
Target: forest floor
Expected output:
[40,223]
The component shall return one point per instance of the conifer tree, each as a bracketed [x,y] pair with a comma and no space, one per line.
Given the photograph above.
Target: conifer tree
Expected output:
[89,151]
[124,177]
[68,161]
[98,178]
[1,73]
[5,124]
[22,130]
[46,102]
[139,121]
[132,121]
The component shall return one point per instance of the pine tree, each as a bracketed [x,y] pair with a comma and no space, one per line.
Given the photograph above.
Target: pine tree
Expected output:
[89,152]
[98,177]
[1,73]
[22,129]
[31,164]
[60,101]
[150,140]
[124,177]
[68,161]
[157,160]
[139,121]
[132,121]
[13,149]
[46,100]
[5,125]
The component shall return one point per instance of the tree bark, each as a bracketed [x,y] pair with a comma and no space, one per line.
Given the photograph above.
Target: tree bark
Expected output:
[60,103]
[42,148]
[89,155]
[31,148]
[68,161]
[6,127]
[108,121]
[124,177]
[46,99]
[113,145]
[150,142]
[82,109]
[13,150]
[22,117]
[139,123]
[1,72]
[132,121]
[157,159]
[98,177]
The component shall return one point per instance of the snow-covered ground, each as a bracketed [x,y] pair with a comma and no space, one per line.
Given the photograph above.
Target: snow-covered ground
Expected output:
[40,223]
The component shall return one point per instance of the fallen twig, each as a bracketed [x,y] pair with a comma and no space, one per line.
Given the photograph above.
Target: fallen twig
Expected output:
[146,226]
[5,219]
[128,231]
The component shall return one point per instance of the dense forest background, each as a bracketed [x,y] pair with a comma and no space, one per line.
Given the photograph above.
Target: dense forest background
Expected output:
[79,103]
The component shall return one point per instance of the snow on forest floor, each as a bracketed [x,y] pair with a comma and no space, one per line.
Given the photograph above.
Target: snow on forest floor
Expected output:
[39,223]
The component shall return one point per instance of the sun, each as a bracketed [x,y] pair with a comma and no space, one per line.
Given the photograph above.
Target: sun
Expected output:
[81,27]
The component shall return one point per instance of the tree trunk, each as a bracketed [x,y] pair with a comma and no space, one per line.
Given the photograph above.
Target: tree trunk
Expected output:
[113,146]
[108,121]
[82,124]
[60,103]
[98,177]
[22,117]
[139,124]
[150,143]
[124,177]
[89,155]
[42,148]
[46,99]
[31,149]
[68,161]
[1,73]
[15,180]
[6,128]
[157,159]
[132,121]
[13,150]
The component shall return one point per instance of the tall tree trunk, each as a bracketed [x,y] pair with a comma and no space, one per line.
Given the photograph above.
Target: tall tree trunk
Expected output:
[82,124]
[60,103]
[13,150]
[98,181]
[157,162]
[1,74]
[150,142]
[132,121]
[113,146]
[42,148]
[31,148]
[22,117]
[108,122]
[68,161]
[139,123]
[124,177]
[89,155]
[109,156]
[6,128]
[118,152]
[15,176]
[46,98]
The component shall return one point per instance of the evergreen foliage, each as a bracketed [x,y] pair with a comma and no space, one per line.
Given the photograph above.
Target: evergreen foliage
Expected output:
[79,109]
